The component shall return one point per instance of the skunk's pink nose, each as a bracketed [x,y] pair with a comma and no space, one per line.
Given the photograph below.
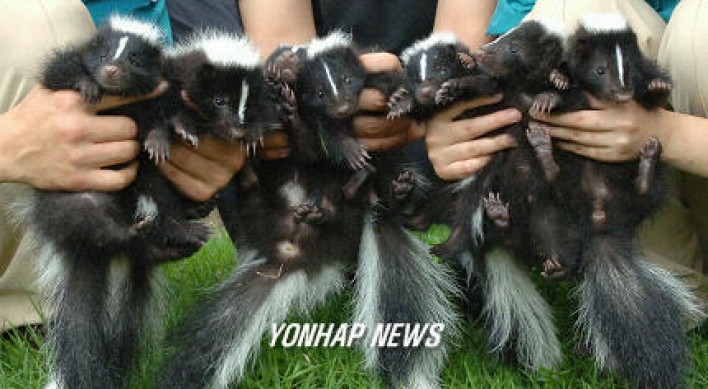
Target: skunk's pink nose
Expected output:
[111,70]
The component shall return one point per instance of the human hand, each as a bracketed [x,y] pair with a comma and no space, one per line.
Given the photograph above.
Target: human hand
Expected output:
[52,140]
[457,148]
[610,132]
[372,127]
[198,173]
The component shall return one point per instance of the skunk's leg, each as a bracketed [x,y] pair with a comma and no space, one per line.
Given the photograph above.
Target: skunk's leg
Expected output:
[630,313]
[648,160]
[516,312]
[466,231]
[542,145]
[217,340]
[397,282]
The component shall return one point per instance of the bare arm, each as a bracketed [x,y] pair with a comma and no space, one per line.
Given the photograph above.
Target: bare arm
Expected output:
[467,19]
[268,23]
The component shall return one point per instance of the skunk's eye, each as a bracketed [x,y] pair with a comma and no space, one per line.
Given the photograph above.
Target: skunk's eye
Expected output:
[442,72]
[219,101]
[320,94]
[600,70]
[514,48]
[134,60]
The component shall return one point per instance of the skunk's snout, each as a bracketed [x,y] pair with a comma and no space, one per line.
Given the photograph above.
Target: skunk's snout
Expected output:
[111,70]
[426,92]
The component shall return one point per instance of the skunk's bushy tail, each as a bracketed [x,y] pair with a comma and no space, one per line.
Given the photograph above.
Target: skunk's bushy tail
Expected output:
[631,315]
[397,282]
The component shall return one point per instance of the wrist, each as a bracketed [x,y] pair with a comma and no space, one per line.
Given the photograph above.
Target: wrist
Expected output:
[6,150]
[663,130]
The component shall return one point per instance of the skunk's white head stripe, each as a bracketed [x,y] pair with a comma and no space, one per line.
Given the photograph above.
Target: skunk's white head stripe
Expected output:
[121,46]
[332,84]
[554,26]
[423,66]
[149,31]
[425,44]
[221,49]
[604,22]
[334,40]
[242,102]
[620,64]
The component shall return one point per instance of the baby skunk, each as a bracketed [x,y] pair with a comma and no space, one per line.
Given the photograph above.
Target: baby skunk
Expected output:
[311,72]
[299,232]
[440,59]
[624,300]
[101,272]
[497,212]
[222,81]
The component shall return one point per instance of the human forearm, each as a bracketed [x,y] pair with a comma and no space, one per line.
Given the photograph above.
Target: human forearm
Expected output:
[684,139]
[269,23]
[467,19]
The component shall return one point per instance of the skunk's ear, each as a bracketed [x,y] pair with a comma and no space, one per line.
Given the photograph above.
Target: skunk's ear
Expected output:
[206,72]
[580,42]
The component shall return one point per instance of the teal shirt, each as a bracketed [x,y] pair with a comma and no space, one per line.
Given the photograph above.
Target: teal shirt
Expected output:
[510,12]
[149,10]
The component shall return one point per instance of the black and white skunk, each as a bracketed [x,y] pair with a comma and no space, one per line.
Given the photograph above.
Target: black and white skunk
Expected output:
[100,250]
[624,300]
[221,77]
[492,218]
[302,224]
[439,59]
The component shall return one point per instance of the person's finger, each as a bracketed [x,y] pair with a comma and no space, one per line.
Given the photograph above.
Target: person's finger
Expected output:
[372,126]
[111,129]
[277,153]
[457,109]
[111,101]
[372,100]
[588,120]
[275,140]
[108,179]
[597,153]
[380,62]
[479,147]
[463,169]
[109,154]
[584,138]
[473,128]
[186,183]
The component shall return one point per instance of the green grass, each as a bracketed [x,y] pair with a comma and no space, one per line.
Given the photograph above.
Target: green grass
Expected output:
[23,363]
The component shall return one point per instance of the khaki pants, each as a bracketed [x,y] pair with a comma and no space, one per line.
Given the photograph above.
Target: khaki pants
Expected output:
[29,30]
[677,238]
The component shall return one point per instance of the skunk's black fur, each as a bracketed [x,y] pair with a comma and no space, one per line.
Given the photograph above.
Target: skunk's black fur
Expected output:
[298,224]
[431,63]
[623,299]
[104,247]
